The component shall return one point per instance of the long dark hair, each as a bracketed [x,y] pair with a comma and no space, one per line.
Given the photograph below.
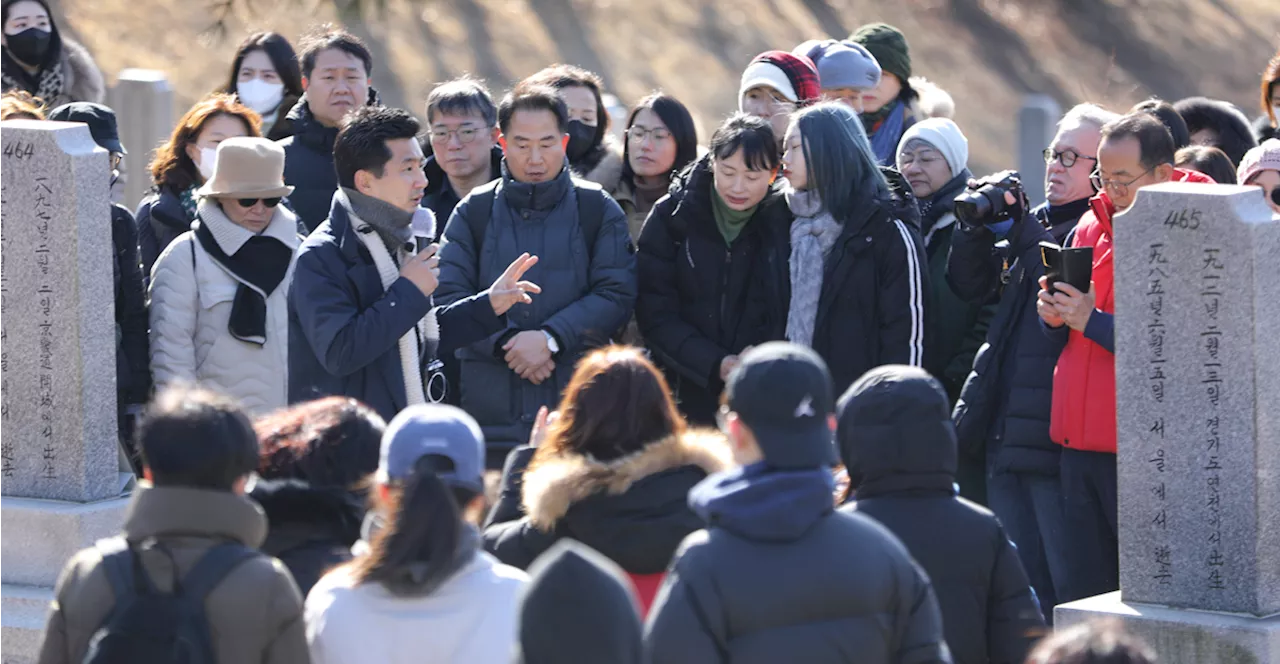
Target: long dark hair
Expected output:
[679,122]
[842,168]
[616,403]
[282,56]
[422,534]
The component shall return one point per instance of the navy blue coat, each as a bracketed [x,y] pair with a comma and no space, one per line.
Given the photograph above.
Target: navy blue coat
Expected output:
[1006,401]
[587,293]
[160,219]
[345,328]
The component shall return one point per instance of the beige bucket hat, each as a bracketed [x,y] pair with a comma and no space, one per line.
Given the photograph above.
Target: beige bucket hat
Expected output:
[247,167]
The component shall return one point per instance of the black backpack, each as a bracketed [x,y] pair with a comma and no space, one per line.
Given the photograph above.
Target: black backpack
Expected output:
[148,626]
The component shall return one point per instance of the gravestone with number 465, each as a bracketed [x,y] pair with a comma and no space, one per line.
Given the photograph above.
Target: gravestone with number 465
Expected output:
[59,462]
[1197,353]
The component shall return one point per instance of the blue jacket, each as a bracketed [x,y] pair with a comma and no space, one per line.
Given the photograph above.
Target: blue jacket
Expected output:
[1005,404]
[779,576]
[345,328]
[587,293]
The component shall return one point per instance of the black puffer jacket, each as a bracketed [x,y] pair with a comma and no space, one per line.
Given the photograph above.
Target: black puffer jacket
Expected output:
[439,196]
[308,163]
[310,529]
[1006,401]
[701,300]
[780,576]
[897,440]
[634,510]
[160,219]
[133,347]
[874,293]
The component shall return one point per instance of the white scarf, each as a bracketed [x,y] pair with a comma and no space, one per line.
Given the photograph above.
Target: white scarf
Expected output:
[410,368]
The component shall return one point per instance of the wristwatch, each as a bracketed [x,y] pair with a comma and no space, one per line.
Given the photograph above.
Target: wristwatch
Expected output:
[551,343]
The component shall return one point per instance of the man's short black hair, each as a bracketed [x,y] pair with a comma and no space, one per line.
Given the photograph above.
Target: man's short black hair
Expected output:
[751,134]
[462,96]
[362,142]
[194,438]
[533,98]
[326,37]
[1172,121]
[1154,141]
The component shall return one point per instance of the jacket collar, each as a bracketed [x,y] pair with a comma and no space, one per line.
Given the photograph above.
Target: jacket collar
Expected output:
[1103,209]
[438,180]
[692,189]
[308,130]
[551,487]
[340,226]
[183,512]
[539,197]
[230,237]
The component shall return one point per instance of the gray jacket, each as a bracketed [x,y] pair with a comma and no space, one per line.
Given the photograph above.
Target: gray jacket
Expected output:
[588,292]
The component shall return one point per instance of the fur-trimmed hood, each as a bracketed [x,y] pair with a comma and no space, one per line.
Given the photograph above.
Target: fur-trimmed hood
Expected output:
[553,486]
[603,165]
[931,101]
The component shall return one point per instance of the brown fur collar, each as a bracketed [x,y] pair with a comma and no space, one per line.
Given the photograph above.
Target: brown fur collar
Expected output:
[553,486]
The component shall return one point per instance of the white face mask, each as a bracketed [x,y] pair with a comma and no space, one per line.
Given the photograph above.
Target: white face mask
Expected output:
[208,156]
[259,95]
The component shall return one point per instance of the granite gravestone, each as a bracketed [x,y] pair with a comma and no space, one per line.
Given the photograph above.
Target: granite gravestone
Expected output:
[143,101]
[1197,304]
[59,476]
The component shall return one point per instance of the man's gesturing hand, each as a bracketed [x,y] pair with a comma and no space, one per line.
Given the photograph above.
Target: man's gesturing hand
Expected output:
[527,352]
[508,290]
[423,269]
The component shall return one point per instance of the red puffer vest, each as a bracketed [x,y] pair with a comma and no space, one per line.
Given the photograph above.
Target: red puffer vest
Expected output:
[1084,382]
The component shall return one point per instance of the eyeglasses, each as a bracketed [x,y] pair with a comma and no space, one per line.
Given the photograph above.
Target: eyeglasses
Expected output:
[638,134]
[247,203]
[1067,158]
[466,135]
[1118,188]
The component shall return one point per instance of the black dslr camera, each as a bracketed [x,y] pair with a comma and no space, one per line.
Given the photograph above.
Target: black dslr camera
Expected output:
[983,202]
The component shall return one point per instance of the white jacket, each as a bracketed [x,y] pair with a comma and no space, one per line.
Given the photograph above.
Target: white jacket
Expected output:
[472,618]
[191,298]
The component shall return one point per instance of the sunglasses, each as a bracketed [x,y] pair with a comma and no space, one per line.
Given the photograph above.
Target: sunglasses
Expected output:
[250,202]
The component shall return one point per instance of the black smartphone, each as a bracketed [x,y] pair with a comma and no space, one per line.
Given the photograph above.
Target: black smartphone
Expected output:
[1071,266]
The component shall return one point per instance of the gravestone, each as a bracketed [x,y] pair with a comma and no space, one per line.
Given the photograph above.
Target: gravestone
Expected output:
[1037,123]
[59,477]
[1197,380]
[143,102]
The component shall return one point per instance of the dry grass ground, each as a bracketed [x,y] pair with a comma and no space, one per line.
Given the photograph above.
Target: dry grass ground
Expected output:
[986,53]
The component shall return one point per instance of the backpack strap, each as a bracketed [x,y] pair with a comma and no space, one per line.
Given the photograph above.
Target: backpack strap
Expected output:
[591,206]
[217,562]
[117,563]
[480,211]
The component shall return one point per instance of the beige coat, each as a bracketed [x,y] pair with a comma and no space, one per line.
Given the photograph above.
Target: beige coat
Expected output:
[255,614]
[191,298]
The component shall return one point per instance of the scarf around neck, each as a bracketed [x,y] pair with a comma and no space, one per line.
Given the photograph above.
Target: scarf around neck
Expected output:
[260,264]
[393,225]
[813,234]
[884,140]
[47,82]
[728,220]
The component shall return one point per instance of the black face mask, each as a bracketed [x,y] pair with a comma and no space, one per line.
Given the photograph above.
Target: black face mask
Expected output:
[582,139]
[30,46]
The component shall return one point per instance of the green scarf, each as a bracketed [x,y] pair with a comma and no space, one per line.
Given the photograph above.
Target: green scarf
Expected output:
[728,220]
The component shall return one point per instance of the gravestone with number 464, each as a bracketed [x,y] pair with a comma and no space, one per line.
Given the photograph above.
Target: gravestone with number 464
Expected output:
[59,462]
[1197,353]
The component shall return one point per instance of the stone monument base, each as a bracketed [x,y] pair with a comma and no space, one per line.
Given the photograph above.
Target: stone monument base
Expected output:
[1183,636]
[42,536]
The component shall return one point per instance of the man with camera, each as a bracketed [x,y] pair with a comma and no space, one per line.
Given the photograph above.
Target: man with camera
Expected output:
[1136,151]
[1005,404]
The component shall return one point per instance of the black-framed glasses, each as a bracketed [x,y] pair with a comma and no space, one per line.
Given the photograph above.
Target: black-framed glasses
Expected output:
[638,134]
[1115,186]
[247,203]
[466,135]
[1067,158]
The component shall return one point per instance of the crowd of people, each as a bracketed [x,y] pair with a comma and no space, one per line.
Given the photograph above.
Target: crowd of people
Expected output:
[776,396]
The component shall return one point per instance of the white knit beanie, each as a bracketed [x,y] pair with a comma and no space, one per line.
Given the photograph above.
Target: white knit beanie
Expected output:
[945,136]
[768,75]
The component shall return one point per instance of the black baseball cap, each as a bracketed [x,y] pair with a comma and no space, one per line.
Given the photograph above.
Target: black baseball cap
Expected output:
[782,392]
[101,121]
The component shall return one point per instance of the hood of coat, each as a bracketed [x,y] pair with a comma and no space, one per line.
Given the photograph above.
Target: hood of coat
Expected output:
[691,190]
[578,607]
[931,101]
[85,81]
[603,165]
[763,504]
[902,204]
[183,512]
[303,511]
[553,486]
[895,432]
